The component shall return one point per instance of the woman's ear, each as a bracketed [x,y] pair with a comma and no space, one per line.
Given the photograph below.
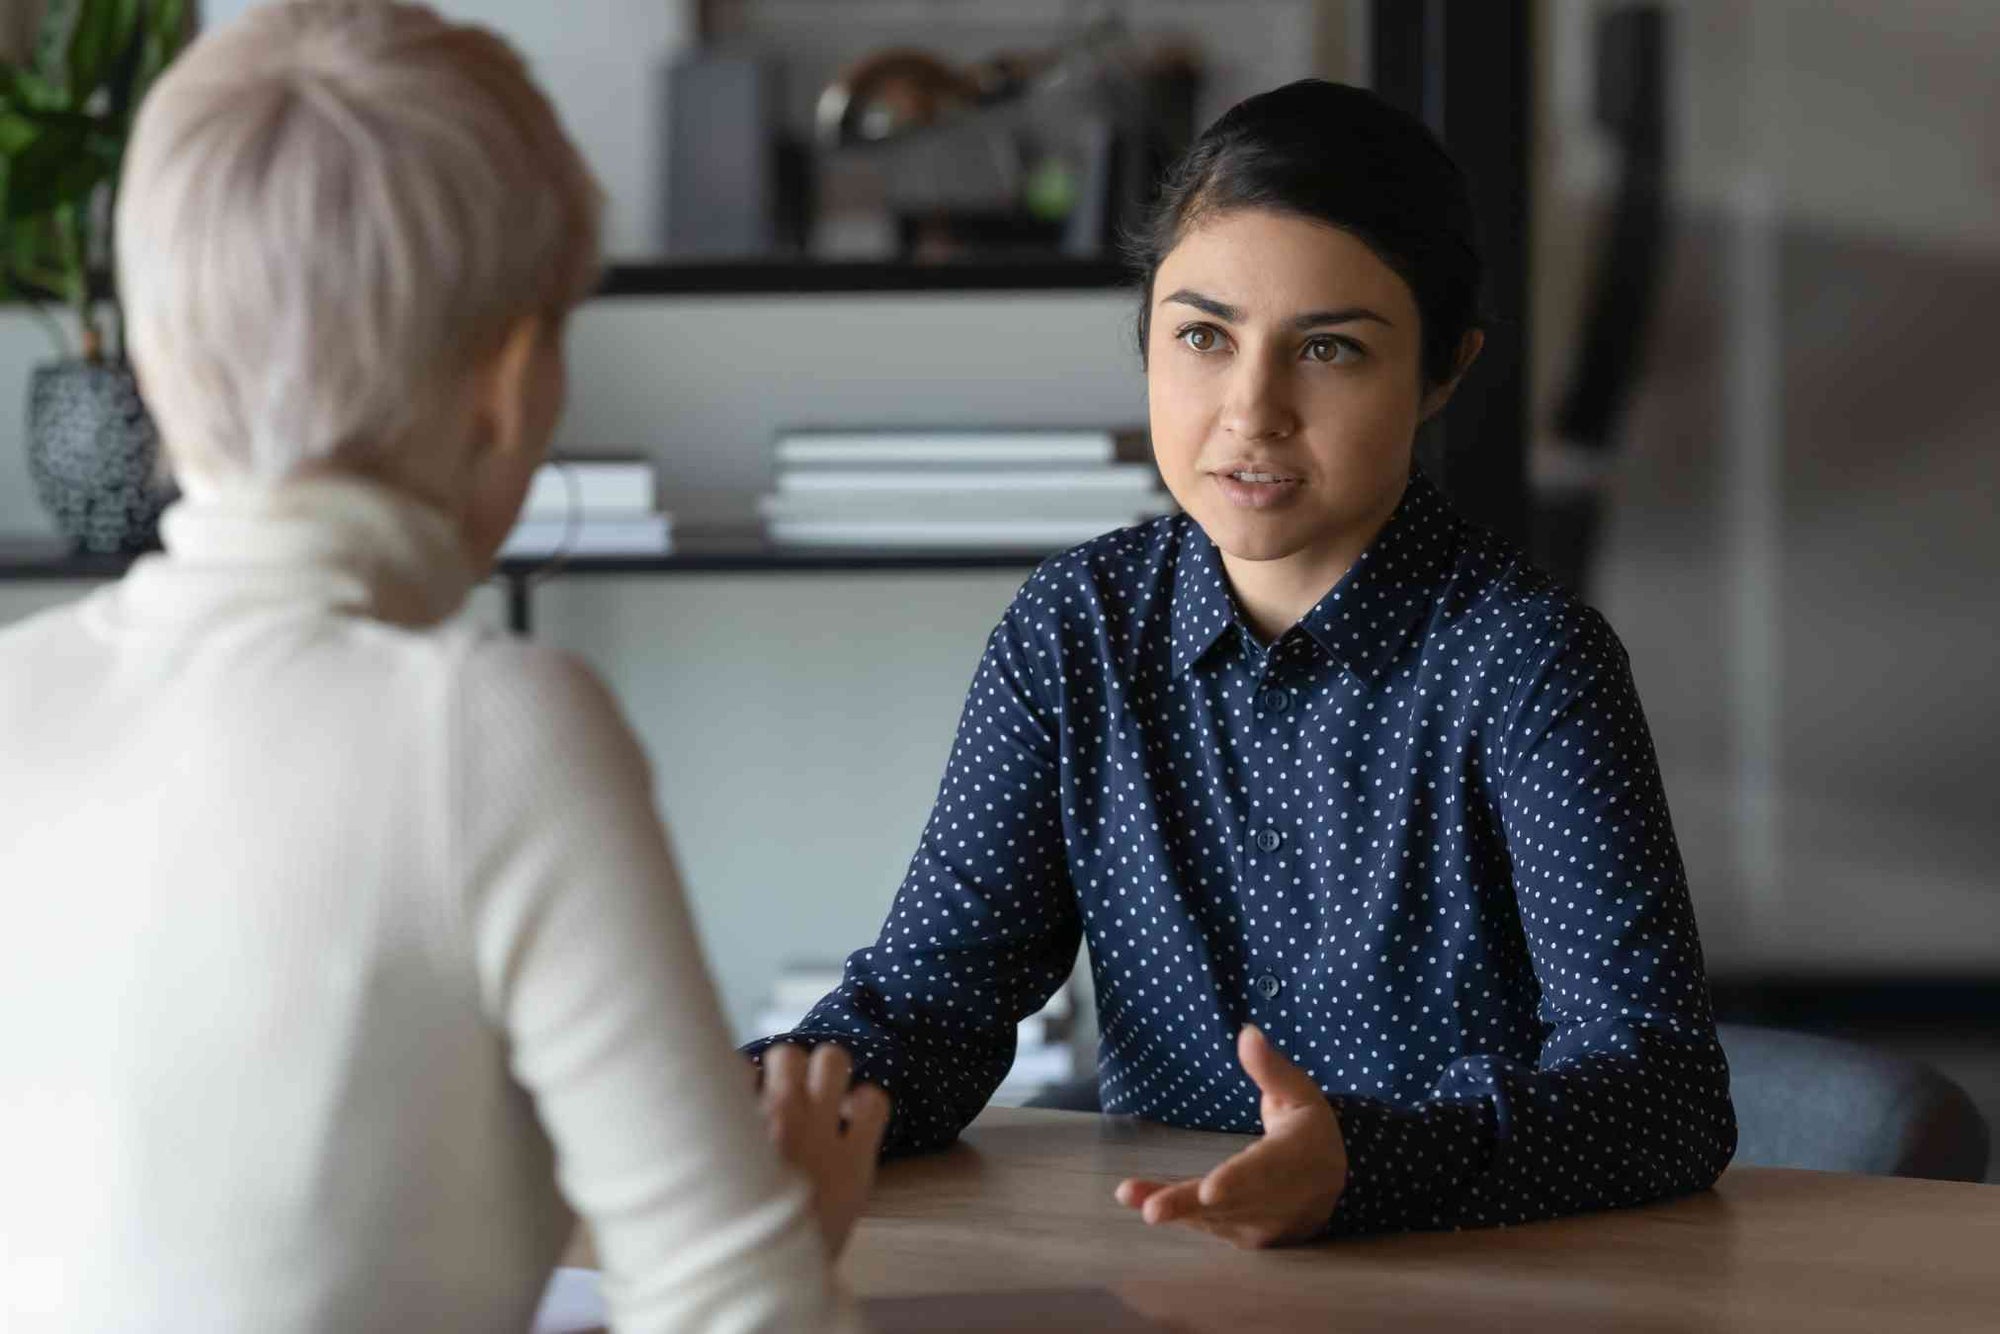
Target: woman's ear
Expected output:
[507,408]
[1468,352]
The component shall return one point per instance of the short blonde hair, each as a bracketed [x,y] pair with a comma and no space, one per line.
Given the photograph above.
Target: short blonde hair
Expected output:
[332,213]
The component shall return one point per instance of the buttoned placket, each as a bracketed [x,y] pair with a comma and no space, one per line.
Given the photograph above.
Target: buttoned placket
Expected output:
[1271,835]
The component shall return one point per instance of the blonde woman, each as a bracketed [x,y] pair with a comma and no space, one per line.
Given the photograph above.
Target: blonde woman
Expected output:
[345,955]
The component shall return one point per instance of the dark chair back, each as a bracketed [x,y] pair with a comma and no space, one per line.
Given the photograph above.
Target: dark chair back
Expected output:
[1835,1106]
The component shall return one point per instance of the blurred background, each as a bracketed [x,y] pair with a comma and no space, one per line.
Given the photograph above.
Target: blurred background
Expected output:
[1747,259]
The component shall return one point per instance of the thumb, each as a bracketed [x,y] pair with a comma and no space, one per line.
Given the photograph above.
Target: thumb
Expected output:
[1280,1080]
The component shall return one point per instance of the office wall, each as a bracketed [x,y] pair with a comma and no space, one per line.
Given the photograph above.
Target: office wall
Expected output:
[1800,551]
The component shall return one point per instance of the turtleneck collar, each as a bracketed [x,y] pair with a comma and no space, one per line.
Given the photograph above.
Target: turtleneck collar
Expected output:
[339,542]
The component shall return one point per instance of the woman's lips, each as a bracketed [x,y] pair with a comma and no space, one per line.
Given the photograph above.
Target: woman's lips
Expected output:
[1269,490]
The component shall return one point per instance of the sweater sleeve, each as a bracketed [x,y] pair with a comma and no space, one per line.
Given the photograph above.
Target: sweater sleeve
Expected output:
[984,928]
[587,960]
[1629,1101]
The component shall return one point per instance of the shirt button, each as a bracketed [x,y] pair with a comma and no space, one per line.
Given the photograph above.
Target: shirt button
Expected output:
[1268,986]
[1267,840]
[1274,700]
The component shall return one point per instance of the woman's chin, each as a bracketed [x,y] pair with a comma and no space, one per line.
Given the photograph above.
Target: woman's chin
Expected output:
[1254,536]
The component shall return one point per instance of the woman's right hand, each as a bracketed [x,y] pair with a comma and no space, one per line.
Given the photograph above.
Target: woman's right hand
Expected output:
[830,1131]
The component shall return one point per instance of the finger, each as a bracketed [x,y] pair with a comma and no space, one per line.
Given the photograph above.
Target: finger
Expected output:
[866,1111]
[1133,1192]
[1177,1203]
[829,1072]
[784,1072]
[1280,1080]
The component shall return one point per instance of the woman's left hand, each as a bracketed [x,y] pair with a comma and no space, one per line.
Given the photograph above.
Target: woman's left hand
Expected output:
[1283,1188]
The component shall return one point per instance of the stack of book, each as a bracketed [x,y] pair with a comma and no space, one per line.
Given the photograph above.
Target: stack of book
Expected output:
[591,507]
[1014,489]
[1043,1051]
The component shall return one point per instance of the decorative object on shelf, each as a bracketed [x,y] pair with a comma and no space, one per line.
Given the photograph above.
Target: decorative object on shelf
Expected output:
[94,455]
[1040,490]
[65,117]
[1076,132]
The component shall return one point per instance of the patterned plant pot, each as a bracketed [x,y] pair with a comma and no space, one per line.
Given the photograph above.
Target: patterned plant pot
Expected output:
[95,456]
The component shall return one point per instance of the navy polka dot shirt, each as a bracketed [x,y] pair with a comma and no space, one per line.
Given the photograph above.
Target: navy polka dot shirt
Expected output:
[1420,840]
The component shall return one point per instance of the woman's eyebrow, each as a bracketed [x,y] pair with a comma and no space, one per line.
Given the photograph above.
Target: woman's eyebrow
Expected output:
[1313,319]
[1207,305]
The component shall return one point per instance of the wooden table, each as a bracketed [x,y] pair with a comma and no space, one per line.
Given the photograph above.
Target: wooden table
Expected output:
[1024,1203]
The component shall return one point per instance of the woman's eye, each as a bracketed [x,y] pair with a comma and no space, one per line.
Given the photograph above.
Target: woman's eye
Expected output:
[1332,351]
[1200,337]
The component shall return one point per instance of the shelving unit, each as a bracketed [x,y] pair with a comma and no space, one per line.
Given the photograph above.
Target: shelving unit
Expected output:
[697,551]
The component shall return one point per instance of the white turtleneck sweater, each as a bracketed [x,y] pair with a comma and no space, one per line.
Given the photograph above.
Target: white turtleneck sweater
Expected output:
[343,947]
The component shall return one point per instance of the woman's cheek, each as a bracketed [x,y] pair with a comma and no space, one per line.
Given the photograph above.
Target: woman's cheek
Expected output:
[1369,426]
[1177,419]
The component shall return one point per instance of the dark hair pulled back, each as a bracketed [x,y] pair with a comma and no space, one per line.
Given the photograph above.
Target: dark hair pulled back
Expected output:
[1339,155]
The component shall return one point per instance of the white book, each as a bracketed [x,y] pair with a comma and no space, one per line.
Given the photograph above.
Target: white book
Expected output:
[943,505]
[592,486]
[801,991]
[1075,448]
[591,535]
[773,1020]
[1106,479]
[1030,534]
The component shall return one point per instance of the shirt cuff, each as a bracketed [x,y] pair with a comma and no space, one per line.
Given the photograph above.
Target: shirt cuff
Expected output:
[874,1063]
[1405,1166]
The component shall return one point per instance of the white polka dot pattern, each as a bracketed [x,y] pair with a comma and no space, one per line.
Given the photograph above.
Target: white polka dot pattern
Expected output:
[1421,840]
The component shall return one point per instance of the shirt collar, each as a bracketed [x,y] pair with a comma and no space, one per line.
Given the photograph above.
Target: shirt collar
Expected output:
[1363,620]
[1203,609]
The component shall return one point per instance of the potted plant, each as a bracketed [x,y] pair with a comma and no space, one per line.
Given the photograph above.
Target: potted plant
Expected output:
[65,116]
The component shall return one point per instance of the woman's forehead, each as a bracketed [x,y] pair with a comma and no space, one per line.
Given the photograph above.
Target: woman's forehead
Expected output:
[1272,266]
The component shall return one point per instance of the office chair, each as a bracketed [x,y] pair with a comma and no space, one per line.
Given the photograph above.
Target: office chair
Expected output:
[1835,1106]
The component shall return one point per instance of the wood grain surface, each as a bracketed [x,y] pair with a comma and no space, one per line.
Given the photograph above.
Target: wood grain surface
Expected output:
[1024,1205]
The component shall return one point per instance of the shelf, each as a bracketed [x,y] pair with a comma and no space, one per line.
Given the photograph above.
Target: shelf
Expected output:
[44,560]
[753,277]
[696,551]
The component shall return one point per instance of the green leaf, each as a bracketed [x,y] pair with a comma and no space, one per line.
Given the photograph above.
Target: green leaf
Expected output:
[29,91]
[52,42]
[65,163]
[103,33]
[17,131]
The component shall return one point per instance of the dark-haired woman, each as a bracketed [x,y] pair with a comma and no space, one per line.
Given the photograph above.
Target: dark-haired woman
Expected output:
[1358,814]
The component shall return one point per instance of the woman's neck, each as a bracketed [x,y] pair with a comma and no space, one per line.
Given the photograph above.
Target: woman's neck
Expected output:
[1274,594]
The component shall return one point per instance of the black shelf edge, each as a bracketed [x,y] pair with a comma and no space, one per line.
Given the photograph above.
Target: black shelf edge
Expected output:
[1859,999]
[774,560]
[778,277]
[713,551]
[50,562]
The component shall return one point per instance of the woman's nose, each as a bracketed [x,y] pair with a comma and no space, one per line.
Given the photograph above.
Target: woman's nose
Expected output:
[1258,406]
